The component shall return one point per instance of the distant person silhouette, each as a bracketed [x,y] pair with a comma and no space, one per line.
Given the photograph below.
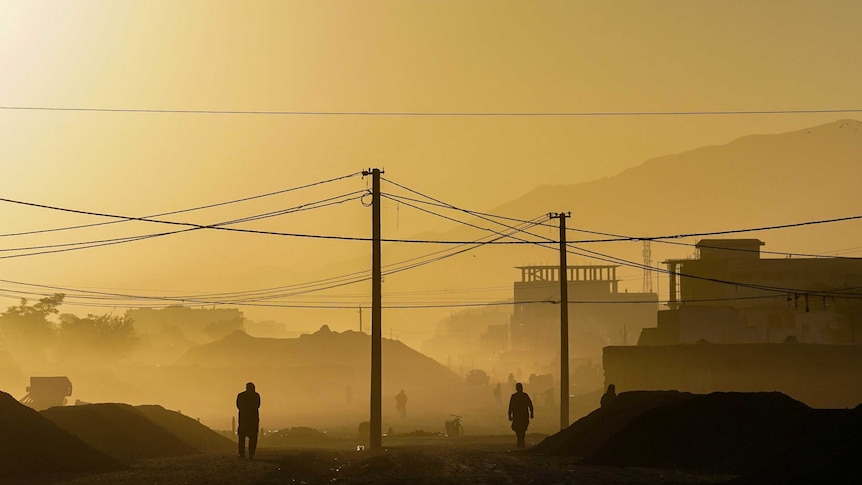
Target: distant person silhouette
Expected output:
[248,404]
[498,395]
[401,403]
[609,397]
[520,412]
[511,380]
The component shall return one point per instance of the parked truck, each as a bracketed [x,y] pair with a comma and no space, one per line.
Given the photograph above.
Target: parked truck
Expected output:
[46,392]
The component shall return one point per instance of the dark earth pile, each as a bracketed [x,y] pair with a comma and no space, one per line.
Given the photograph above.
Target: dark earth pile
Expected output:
[118,430]
[34,446]
[718,432]
[587,434]
[828,455]
[188,430]
[767,436]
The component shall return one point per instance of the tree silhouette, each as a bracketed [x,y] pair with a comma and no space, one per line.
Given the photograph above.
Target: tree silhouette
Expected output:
[26,327]
[103,336]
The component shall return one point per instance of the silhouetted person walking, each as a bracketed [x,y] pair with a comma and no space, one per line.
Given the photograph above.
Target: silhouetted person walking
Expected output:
[609,397]
[248,404]
[520,412]
[401,403]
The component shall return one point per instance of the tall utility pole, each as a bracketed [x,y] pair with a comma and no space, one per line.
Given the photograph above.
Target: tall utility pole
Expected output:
[564,321]
[376,431]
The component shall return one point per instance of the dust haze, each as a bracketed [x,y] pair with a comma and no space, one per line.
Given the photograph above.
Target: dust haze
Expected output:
[438,242]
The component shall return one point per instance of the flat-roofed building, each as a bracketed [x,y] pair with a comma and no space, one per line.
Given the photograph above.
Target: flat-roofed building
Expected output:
[599,314]
[730,294]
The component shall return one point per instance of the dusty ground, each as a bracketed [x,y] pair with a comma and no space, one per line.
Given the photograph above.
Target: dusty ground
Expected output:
[433,460]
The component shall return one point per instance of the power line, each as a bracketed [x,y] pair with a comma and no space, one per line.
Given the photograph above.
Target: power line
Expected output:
[248,297]
[247,231]
[192,209]
[616,238]
[622,238]
[47,249]
[615,260]
[408,241]
[352,305]
[451,219]
[776,289]
[441,114]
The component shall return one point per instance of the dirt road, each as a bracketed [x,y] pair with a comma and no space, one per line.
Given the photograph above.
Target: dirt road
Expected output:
[484,459]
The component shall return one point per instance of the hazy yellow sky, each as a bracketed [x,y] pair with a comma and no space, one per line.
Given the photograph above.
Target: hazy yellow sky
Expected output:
[375,56]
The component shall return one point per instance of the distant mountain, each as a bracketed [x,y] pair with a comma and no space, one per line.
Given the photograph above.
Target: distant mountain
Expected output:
[751,181]
[754,181]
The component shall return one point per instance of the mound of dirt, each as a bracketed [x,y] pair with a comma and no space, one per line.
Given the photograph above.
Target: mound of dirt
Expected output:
[719,432]
[188,430]
[34,446]
[587,434]
[119,431]
[323,348]
[829,455]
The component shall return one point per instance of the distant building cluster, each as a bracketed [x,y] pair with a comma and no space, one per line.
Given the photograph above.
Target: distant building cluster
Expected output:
[596,317]
[525,338]
[197,325]
[729,294]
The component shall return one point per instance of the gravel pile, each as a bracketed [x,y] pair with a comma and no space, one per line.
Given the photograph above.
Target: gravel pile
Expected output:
[188,430]
[34,446]
[119,431]
[763,437]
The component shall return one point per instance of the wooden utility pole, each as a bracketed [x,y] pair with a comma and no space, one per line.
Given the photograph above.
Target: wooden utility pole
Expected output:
[564,321]
[376,431]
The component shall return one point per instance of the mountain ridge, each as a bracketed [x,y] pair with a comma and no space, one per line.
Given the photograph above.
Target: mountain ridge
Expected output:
[754,181]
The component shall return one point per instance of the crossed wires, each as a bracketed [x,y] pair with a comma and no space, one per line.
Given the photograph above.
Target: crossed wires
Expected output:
[257,297]
[595,255]
[507,233]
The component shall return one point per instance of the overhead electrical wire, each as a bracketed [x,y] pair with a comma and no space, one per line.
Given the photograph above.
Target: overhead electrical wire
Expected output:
[402,266]
[616,238]
[440,114]
[192,209]
[417,241]
[622,238]
[353,306]
[254,299]
[46,249]
[623,262]
[614,260]
[247,299]
[240,230]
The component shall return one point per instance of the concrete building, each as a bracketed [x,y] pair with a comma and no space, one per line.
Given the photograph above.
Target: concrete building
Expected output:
[599,314]
[739,322]
[729,294]
[196,325]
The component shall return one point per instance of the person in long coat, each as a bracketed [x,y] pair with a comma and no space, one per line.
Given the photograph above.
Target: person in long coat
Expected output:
[520,412]
[248,404]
